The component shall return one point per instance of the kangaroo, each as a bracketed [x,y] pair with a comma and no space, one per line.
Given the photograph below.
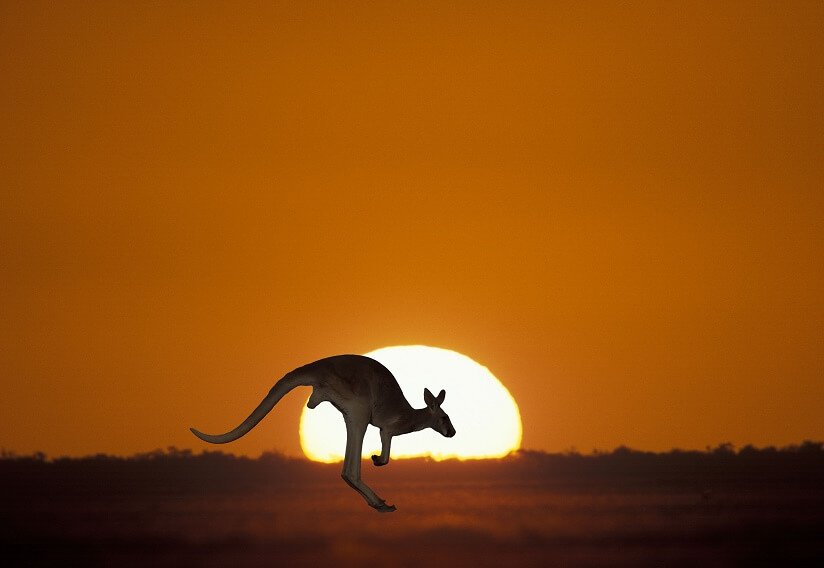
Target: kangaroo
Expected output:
[365,392]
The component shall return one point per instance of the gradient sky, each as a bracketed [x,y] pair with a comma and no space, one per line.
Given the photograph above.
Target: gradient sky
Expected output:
[615,207]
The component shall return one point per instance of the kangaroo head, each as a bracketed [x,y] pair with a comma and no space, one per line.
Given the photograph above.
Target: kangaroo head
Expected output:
[439,422]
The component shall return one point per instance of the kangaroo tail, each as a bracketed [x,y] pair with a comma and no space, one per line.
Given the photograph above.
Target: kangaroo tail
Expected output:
[283,386]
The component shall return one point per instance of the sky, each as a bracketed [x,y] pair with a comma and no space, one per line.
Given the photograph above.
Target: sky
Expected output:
[615,207]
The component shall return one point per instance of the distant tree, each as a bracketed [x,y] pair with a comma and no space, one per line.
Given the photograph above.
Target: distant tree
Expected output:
[623,451]
[725,449]
[749,450]
[809,447]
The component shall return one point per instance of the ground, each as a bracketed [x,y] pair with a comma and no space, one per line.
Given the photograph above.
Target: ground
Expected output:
[447,516]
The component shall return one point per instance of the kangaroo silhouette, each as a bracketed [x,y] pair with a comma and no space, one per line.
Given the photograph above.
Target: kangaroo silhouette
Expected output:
[365,392]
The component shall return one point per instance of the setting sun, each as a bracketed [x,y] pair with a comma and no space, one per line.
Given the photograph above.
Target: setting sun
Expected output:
[484,414]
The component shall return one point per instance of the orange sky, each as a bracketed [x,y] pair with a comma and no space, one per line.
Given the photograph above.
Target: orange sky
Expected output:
[617,209]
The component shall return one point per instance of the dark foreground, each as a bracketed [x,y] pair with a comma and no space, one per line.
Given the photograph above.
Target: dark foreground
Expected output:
[624,509]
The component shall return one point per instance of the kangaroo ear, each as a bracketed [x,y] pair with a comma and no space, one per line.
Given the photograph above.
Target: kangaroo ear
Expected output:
[440,398]
[428,398]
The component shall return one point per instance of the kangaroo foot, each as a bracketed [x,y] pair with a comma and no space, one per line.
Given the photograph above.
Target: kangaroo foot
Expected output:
[377,460]
[384,508]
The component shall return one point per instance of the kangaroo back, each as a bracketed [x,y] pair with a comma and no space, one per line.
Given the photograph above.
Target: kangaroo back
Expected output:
[283,386]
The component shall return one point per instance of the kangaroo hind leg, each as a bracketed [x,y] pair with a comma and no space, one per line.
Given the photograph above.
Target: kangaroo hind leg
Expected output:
[351,474]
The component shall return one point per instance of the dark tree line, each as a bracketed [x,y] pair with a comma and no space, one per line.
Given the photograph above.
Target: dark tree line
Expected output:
[175,471]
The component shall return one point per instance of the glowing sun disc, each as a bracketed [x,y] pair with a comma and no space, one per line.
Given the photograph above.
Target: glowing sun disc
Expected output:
[483,412]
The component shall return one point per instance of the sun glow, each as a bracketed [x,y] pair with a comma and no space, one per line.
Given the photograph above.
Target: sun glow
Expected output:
[483,412]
